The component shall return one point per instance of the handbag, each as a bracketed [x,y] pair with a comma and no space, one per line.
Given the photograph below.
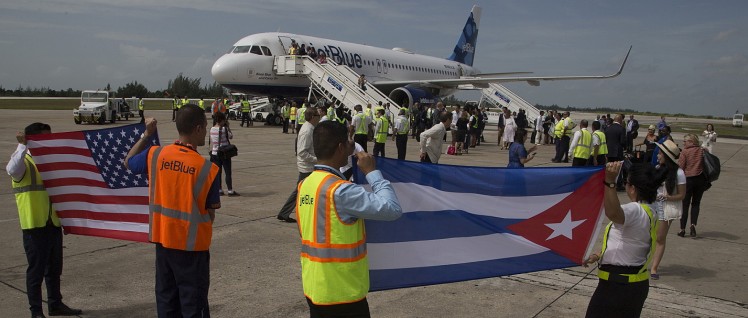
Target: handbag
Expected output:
[229,150]
[451,150]
[712,166]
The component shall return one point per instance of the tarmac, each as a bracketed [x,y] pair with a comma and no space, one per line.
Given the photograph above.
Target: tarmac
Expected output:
[255,268]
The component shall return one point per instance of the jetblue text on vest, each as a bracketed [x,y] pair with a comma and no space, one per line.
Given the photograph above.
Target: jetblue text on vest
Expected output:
[306,200]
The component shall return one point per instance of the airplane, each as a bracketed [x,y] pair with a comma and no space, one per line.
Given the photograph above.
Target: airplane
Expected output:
[403,75]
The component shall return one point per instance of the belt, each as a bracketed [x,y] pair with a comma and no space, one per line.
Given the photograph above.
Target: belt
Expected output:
[622,274]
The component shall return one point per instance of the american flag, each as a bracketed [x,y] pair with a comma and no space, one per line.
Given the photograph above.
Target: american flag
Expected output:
[92,191]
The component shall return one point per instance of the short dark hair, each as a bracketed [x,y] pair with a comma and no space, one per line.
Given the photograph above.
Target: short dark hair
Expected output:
[519,136]
[310,112]
[596,125]
[219,117]
[36,128]
[188,117]
[583,123]
[444,116]
[645,179]
[326,137]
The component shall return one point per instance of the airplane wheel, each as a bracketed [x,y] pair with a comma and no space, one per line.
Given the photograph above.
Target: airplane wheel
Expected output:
[277,120]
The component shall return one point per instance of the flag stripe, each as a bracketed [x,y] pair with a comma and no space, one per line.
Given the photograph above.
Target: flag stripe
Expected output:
[104,216]
[108,233]
[103,208]
[106,225]
[440,225]
[57,158]
[123,199]
[66,166]
[63,174]
[85,182]
[47,139]
[75,189]
[63,151]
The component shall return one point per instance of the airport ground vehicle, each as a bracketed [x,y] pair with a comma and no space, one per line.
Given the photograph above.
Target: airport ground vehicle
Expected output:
[737,120]
[261,109]
[98,107]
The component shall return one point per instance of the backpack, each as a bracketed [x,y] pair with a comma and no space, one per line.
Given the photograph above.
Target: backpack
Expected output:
[712,166]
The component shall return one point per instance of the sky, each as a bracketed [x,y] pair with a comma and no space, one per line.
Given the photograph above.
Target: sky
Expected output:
[688,56]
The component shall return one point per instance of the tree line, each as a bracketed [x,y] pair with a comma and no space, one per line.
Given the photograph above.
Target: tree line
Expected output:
[179,86]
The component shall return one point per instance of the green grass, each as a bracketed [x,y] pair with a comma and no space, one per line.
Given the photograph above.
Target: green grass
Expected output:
[69,104]
[723,130]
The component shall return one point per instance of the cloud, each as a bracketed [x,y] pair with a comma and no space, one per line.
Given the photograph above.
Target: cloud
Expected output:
[142,55]
[724,35]
[124,37]
[728,65]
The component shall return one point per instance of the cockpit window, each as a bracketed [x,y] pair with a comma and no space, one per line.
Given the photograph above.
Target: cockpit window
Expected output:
[242,49]
[266,51]
[255,50]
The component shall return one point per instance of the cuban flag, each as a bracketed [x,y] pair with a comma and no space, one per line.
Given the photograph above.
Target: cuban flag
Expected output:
[462,223]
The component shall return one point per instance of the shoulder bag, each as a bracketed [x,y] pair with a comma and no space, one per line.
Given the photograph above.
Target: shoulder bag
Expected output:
[229,150]
[712,166]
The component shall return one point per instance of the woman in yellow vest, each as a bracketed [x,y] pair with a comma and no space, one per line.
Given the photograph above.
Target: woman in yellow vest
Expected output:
[381,129]
[628,243]
[42,235]
[334,265]
[293,117]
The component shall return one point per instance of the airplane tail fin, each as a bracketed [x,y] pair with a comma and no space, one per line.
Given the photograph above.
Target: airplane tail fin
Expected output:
[464,51]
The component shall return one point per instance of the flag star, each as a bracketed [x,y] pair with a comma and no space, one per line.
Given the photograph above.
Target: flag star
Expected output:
[101,156]
[119,141]
[106,143]
[111,185]
[126,177]
[111,135]
[111,155]
[565,227]
[137,175]
[124,154]
[96,143]
[127,147]
[123,133]
[88,136]
[131,139]
[128,171]
[123,183]
[136,182]
[136,131]
[103,174]
[106,168]
[108,162]
[98,134]
[115,174]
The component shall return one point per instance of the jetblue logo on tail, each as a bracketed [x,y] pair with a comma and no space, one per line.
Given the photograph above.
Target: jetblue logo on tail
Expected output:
[464,51]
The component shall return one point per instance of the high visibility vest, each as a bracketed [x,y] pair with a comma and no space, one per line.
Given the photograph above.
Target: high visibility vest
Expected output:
[285,110]
[643,274]
[559,129]
[384,126]
[475,125]
[245,106]
[361,128]
[179,181]
[376,109]
[141,106]
[201,104]
[331,113]
[220,108]
[334,266]
[176,104]
[582,150]
[32,199]
[293,113]
[429,112]
[185,101]
[603,150]
[570,126]
[300,117]
[406,125]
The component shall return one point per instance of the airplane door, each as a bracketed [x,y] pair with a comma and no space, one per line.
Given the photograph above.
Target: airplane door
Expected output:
[384,66]
[379,66]
[285,43]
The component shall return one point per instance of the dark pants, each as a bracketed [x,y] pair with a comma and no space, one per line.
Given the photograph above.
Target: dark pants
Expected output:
[359,309]
[182,283]
[224,165]
[601,160]
[379,149]
[141,113]
[532,137]
[43,248]
[695,187]
[401,141]
[290,205]
[612,299]
[361,139]
[426,158]
[565,143]
[173,114]
[285,125]
[247,119]
[578,162]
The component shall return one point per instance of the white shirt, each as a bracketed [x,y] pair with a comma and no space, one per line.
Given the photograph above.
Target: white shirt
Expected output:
[431,141]
[305,158]
[629,243]
[455,116]
[400,123]
[218,138]
[539,123]
[356,148]
[16,168]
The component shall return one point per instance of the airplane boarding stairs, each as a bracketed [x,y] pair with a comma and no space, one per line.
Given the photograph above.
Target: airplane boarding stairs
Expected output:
[335,82]
[502,96]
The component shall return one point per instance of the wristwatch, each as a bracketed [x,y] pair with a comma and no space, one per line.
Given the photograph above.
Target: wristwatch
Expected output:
[609,185]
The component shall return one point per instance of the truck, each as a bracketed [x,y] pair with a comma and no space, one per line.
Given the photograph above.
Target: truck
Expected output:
[737,120]
[98,107]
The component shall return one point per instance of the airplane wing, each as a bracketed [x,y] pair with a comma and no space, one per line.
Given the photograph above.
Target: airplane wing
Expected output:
[482,82]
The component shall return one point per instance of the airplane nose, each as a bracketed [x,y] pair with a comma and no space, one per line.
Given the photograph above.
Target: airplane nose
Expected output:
[223,71]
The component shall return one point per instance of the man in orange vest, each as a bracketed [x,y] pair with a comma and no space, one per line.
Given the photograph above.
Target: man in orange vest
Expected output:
[181,223]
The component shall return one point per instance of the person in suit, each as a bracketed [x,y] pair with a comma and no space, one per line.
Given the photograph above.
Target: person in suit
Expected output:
[632,131]
[615,136]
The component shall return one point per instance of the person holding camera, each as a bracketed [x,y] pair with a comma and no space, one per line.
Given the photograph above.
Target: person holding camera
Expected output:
[220,134]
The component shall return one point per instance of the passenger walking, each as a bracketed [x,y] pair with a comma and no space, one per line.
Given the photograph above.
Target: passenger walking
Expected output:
[538,131]
[649,142]
[692,162]
[181,217]
[42,235]
[220,134]
[510,128]
[337,286]
[518,155]
[305,160]
[461,134]
[670,194]
[710,138]
[432,139]
[628,242]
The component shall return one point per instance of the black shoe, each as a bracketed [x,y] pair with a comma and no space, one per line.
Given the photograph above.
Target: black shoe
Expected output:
[682,233]
[287,219]
[38,315]
[566,161]
[555,161]
[64,310]
[232,193]
[693,230]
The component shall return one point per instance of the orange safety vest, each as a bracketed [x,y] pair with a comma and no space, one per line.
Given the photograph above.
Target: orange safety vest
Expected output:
[179,218]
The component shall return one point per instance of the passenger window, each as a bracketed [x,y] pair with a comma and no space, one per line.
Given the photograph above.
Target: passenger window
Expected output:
[266,51]
[241,49]
[255,50]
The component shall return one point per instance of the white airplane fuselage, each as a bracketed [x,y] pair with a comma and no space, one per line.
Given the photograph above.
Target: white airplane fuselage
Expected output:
[248,66]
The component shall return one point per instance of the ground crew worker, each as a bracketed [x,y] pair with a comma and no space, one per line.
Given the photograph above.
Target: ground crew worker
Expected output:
[141,109]
[175,104]
[580,145]
[185,101]
[201,104]
[599,154]
[292,117]
[381,128]
[42,236]
[360,127]
[334,266]
[181,222]
[400,133]
[370,113]
[245,113]
[285,112]
[301,116]
[558,131]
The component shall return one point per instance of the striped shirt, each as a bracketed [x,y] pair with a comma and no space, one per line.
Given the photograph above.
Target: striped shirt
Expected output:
[691,161]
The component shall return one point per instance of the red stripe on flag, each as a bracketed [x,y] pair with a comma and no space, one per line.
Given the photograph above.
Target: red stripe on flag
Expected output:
[100,199]
[74,182]
[41,151]
[63,135]
[67,166]
[115,234]
[104,216]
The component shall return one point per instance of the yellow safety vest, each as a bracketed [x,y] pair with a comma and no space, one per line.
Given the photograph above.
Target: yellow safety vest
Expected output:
[285,110]
[140,105]
[384,126]
[406,125]
[559,129]
[185,101]
[603,150]
[201,104]
[331,113]
[570,126]
[582,150]
[34,207]
[176,104]
[245,106]
[293,113]
[301,116]
[643,274]
[361,128]
[334,266]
